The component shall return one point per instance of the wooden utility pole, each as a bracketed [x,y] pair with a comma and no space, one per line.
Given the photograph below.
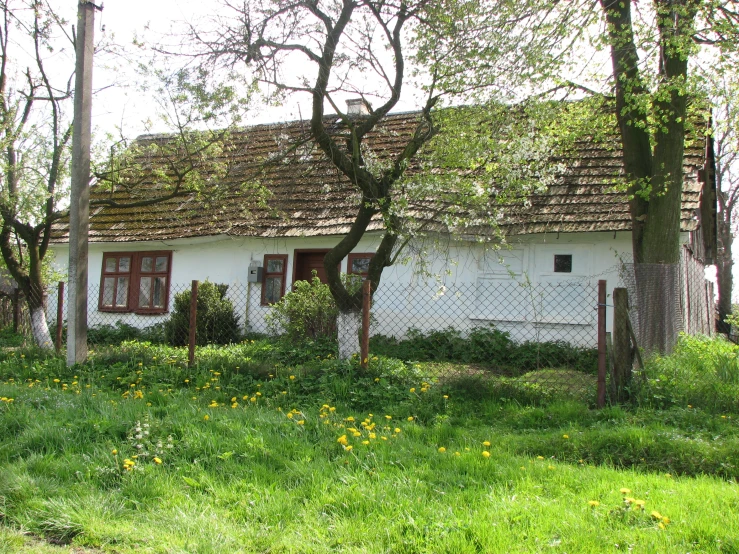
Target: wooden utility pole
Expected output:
[79,208]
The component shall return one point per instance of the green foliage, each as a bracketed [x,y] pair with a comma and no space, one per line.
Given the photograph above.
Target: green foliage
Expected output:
[308,311]
[217,322]
[488,346]
[701,371]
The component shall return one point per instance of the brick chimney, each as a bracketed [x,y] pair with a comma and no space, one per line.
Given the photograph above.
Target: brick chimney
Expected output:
[356,107]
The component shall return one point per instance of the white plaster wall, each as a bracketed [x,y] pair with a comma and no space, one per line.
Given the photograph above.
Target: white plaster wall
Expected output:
[438,281]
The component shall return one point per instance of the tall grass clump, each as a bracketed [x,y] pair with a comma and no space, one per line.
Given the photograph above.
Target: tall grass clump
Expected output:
[701,371]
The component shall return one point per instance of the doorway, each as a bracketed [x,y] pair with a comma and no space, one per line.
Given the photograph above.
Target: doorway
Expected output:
[307,261]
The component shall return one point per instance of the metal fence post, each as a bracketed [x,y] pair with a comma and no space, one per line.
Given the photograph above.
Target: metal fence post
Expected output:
[601,402]
[193,322]
[364,347]
[59,316]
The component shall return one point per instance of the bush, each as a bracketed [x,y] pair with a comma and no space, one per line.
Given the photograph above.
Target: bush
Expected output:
[701,371]
[216,322]
[488,346]
[306,312]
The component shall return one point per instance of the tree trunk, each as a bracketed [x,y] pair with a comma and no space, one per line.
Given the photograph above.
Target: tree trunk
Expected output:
[724,277]
[349,323]
[39,327]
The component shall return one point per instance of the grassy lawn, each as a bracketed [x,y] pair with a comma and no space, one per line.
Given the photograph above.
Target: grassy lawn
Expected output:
[138,453]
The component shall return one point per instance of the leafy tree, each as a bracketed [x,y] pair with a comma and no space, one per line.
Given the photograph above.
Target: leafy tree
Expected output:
[653,81]
[726,117]
[373,49]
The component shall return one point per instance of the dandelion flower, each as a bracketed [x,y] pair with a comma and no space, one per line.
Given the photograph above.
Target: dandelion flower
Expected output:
[593,503]
[540,457]
[442,449]
[157,460]
[365,443]
[656,515]
[342,440]
[410,418]
[301,422]
[397,430]
[486,443]
[348,448]
[114,452]
[625,490]
[206,417]
[413,389]
[485,454]
[388,417]
[565,436]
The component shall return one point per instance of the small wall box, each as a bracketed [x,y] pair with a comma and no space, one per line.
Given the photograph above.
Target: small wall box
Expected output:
[255,275]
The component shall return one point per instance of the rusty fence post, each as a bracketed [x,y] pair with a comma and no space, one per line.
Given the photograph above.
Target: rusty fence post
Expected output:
[364,346]
[601,402]
[59,316]
[193,322]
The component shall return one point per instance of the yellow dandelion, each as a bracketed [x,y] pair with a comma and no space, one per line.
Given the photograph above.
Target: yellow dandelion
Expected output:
[348,448]
[206,417]
[157,460]
[397,430]
[365,443]
[388,417]
[565,436]
[540,457]
[639,504]
[114,452]
[410,418]
[625,490]
[413,389]
[593,503]
[442,449]
[656,515]
[486,443]
[301,422]
[342,440]
[485,454]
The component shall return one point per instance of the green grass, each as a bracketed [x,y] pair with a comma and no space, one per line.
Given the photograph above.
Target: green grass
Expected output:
[253,478]
[251,459]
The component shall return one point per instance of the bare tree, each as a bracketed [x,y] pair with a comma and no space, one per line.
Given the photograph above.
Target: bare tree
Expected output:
[35,133]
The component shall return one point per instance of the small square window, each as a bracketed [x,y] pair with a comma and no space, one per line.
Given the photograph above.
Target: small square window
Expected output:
[358,264]
[563,263]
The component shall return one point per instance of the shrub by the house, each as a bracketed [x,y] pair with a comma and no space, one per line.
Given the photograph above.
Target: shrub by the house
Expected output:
[216,322]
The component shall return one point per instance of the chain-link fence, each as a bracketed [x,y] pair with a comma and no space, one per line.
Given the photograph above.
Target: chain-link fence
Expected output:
[526,335]
[532,336]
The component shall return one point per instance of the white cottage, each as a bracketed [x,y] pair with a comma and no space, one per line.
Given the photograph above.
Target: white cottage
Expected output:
[566,239]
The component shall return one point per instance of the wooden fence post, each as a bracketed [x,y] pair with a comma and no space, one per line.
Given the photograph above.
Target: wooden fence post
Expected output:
[622,356]
[601,401]
[59,316]
[364,347]
[193,322]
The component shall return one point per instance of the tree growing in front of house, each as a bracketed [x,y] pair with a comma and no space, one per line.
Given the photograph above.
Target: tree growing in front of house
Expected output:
[372,49]
[35,141]
[35,136]
[726,140]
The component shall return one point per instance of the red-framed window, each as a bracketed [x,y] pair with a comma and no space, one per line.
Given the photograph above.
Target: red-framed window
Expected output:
[273,284]
[358,264]
[135,282]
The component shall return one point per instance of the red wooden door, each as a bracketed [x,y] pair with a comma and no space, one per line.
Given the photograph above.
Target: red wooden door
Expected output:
[306,263]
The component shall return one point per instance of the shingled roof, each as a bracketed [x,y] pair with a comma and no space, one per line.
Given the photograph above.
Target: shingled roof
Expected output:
[307,196]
